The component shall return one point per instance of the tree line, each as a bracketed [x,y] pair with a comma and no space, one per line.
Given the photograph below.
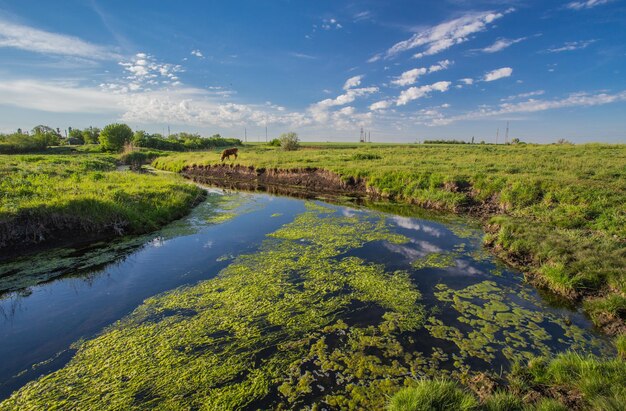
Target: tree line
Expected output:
[113,137]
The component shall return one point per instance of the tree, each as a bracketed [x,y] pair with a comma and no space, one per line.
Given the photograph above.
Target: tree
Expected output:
[47,135]
[114,136]
[289,141]
[139,138]
[76,136]
[90,135]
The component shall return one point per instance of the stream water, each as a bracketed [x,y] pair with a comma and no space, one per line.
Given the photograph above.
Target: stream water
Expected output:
[297,289]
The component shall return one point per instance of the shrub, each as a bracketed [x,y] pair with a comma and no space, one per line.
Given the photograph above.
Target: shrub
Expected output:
[20,143]
[432,395]
[366,156]
[289,141]
[114,136]
[274,143]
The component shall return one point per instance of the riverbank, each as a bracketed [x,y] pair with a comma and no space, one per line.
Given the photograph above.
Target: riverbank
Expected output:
[556,212]
[54,200]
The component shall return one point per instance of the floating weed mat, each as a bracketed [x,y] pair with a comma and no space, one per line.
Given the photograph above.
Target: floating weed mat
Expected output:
[494,323]
[229,343]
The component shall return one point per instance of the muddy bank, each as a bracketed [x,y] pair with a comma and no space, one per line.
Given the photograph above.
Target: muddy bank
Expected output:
[300,182]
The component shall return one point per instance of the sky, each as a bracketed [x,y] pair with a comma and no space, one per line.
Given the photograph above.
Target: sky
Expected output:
[404,71]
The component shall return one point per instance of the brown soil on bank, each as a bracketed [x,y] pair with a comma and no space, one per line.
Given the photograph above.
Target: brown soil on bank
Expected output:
[314,182]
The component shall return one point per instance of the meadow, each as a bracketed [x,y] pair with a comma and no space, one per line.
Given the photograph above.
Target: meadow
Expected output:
[555,211]
[54,198]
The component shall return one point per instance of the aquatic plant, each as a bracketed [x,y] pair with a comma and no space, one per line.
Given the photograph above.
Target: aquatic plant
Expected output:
[228,342]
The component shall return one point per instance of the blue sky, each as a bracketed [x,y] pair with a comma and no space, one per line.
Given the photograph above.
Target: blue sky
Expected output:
[402,70]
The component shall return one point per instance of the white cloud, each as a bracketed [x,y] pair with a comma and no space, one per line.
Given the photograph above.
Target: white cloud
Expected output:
[330,24]
[303,56]
[197,53]
[410,77]
[571,45]
[57,97]
[44,42]
[381,105]
[144,72]
[533,105]
[445,35]
[498,74]
[501,44]
[579,5]
[524,95]
[414,93]
[352,82]
[467,81]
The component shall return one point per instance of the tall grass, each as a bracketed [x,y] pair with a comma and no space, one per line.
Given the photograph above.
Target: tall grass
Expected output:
[87,189]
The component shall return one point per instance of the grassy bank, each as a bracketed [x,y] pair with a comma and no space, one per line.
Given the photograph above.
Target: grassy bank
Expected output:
[565,382]
[52,198]
[555,211]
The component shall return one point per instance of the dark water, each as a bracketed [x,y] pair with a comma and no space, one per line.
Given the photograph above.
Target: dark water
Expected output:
[39,325]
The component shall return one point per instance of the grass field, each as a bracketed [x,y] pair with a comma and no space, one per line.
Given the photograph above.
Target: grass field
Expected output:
[556,211]
[84,192]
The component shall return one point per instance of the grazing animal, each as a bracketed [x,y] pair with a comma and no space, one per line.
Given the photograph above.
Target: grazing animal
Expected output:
[229,152]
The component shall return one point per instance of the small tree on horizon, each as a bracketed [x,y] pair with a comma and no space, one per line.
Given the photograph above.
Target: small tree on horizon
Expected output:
[289,141]
[114,136]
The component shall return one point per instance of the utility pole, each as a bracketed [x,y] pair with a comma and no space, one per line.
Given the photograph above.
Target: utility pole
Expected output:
[245,134]
[168,130]
[497,133]
[506,137]
[266,134]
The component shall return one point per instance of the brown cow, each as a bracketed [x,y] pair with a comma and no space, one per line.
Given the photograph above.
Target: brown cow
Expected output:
[229,152]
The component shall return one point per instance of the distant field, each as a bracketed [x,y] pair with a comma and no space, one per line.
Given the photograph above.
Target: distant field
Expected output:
[555,210]
[46,195]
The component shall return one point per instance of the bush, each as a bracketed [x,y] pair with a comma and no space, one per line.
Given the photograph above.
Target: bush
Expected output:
[289,141]
[20,143]
[432,395]
[91,135]
[274,143]
[114,136]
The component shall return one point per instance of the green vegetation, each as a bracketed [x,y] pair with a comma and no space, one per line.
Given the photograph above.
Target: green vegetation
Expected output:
[228,343]
[555,211]
[429,395]
[289,141]
[182,141]
[567,381]
[69,196]
[115,136]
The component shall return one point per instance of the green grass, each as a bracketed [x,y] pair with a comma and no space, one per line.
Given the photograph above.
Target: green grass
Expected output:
[433,395]
[583,382]
[85,190]
[557,211]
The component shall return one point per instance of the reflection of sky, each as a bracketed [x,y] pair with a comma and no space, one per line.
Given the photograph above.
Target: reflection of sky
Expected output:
[411,224]
[417,249]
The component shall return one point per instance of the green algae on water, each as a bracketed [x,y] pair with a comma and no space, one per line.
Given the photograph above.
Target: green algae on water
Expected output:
[229,342]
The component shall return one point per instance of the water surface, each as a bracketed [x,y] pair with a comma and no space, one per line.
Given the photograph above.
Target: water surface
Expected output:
[400,295]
